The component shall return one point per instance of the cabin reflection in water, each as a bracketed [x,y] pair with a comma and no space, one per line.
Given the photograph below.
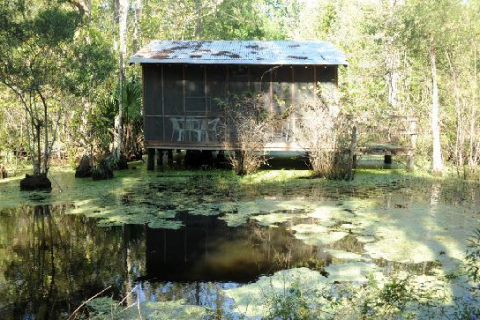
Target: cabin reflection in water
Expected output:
[51,262]
[206,249]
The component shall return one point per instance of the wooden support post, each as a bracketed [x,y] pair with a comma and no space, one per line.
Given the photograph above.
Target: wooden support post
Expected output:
[410,162]
[388,159]
[151,159]
[159,157]
[207,158]
[413,145]
[221,160]
[353,157]
[170,157]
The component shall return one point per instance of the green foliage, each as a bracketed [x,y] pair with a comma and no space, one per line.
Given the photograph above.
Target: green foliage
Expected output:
[133,100]
[281,18]
[397,297]
[92,60]
[392,298]
[244,21]
[328,19]
[53,25]
[103,306]
[291,304]
[101,122]
[473,256]
[45,60]
[107,308]
[387,44]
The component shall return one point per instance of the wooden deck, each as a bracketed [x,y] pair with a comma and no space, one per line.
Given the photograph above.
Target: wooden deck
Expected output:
[384,149]
[398,138]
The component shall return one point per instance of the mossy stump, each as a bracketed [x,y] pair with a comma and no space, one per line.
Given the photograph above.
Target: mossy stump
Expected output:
[122,162]
[103,171]
[84,169]
[35,182]
[3,173]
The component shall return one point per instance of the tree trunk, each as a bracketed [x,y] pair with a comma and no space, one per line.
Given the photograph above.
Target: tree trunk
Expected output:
[473,155]
[45,141]
[89,11]
[459,141]
[38,168]
[393,64]
[136,27]
[393,79]
[123,11]
[198,22]
[30,126]
[437,165]
[116,6]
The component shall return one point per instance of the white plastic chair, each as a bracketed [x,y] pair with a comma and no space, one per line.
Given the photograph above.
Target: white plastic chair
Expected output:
[212,127]
[194,125]
[177,125]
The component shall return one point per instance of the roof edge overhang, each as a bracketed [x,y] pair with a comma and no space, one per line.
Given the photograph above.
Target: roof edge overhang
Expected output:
[232,62]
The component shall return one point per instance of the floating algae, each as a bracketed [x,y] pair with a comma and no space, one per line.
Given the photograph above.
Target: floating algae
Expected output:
[317,235]
[240,212]
[345,255]
[115,215]
[327,211]
[365,239]
[204,211]
[413,233]
[417,233]
[273,219]
[352,271]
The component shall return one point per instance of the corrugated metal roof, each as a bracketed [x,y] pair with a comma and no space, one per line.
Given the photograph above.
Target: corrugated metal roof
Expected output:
[241,52]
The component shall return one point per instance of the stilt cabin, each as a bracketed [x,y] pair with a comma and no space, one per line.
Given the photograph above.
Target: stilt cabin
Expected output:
[185,82]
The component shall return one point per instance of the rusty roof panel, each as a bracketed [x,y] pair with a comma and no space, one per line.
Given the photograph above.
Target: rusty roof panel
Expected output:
[241,52]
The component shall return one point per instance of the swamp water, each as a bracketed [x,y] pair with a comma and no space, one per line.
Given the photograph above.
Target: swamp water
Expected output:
[209,245]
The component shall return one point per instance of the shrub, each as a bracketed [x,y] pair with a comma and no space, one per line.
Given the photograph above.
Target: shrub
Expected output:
[250,126]
[326,133]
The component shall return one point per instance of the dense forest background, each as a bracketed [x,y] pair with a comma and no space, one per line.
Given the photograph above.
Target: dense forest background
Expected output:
[66,88]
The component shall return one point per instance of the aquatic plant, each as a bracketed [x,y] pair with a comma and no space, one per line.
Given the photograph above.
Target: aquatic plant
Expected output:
[301,294]
[291,304]
[473,256]
[132,308]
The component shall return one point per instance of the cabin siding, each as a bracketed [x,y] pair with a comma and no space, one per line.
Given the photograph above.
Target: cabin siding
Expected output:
[175,94]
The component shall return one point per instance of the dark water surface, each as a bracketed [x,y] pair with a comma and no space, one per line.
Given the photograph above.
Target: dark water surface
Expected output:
[51,262]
